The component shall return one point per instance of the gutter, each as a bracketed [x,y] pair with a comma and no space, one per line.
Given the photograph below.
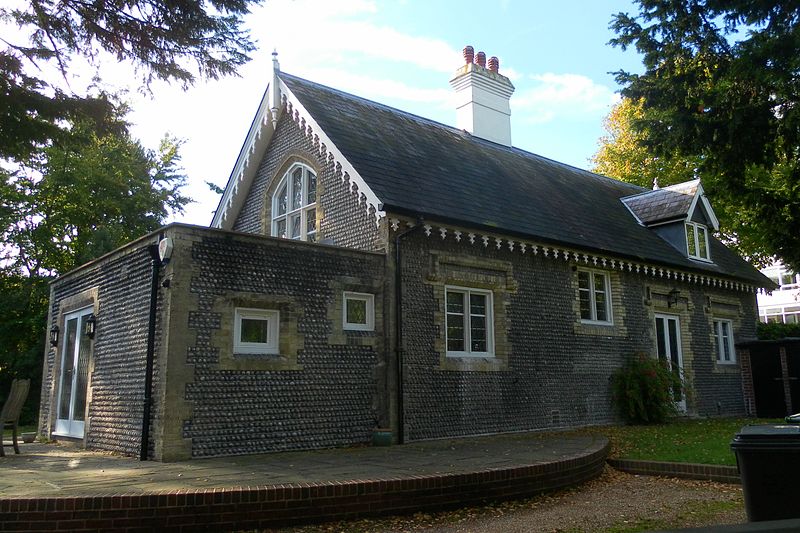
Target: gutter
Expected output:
[151,343]
[398,342]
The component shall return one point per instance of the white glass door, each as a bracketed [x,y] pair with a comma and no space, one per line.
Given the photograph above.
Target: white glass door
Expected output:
[668,347]
[73,375]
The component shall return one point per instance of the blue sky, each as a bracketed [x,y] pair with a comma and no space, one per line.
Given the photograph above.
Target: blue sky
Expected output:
[402,54]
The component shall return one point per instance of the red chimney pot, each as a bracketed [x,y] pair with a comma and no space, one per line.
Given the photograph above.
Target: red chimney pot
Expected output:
[480,59]
[494,64]
[469,54]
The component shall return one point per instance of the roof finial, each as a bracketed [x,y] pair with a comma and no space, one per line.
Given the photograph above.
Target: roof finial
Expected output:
[275,65]
[655,184]
[275,89]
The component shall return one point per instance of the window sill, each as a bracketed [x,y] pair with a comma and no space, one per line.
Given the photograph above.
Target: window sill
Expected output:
[472,363]
[597,323]
[600,329]
[263,361]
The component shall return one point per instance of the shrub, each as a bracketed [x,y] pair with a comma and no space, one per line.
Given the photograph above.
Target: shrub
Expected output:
[643,390]
[777,330]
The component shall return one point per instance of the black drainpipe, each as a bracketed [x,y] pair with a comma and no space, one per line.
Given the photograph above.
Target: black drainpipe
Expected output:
[398,341]
[151,349]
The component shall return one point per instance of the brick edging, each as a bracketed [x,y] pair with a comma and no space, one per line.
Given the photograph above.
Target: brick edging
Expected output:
[245,508]
[722,474]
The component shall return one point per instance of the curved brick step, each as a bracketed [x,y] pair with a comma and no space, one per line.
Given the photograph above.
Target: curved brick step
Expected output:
[278,505]
[722,474]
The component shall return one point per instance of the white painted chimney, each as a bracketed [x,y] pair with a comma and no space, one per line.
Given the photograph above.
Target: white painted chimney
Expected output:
[482,98]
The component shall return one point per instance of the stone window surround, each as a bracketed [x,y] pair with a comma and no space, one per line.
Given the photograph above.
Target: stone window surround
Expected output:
[493,275]
[290,340]
[335,312]
[290,159]
[615,328]
[719,307]
[81,300]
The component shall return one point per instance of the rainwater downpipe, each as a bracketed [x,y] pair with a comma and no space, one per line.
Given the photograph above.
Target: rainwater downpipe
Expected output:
[398,330]
[151,345]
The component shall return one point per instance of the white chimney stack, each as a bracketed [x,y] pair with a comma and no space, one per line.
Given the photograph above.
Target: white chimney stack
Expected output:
[482,98]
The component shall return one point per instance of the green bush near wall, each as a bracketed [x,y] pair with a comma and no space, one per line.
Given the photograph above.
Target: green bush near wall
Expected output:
[777,330]
[643,391]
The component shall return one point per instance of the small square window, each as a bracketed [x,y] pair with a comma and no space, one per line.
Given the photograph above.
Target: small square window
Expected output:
[256,331]
[359,311]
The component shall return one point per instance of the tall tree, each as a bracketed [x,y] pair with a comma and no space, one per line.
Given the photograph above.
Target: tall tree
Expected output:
[86,194]
[171,40]
[720,87]
[623,155]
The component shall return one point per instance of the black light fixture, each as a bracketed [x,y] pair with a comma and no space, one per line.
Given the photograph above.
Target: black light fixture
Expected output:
[91,323]
[54,335]
[672,297]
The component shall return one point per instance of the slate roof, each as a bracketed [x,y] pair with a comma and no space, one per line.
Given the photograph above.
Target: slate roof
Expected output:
[660,205]
[417,166]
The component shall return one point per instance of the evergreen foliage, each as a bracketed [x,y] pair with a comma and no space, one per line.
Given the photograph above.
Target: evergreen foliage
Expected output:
[719,89]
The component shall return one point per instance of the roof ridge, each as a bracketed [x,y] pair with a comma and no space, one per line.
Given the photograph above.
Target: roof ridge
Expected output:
[372,102]
[513,149]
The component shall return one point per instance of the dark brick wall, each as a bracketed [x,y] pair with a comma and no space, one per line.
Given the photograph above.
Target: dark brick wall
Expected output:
[718,388]
[330,398]
[341,215]
[119,352]
[556,375]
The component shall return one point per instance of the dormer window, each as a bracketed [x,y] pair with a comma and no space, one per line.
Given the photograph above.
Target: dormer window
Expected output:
[294,205]
[697,241]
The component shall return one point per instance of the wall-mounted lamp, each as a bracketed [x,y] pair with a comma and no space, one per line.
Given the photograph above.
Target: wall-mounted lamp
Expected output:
[54,335]
[91,324]
[672,297]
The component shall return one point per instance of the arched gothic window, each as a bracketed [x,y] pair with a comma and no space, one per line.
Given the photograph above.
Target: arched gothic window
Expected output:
[294,205]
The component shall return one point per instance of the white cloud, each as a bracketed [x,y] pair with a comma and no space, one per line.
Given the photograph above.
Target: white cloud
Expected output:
[380,90]
[311,33]
[557,96]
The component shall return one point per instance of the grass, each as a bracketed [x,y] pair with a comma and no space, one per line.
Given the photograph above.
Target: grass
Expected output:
[22,429]
[703,512]
[680,441]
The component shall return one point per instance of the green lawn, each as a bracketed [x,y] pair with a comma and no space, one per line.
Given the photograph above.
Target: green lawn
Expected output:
[683,441]
[22,429]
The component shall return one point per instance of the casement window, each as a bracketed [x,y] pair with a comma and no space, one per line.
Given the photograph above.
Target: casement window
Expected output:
[294,205]
[697,241]
[255,331]
[469,322]
[723,342]
[358,313]
[594,296]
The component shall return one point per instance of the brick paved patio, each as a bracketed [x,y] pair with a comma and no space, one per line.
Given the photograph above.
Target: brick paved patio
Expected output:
[50,486]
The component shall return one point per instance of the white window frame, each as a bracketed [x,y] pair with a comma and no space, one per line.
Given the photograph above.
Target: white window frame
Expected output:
[467,292]
[720,341]
[272,316]
[593,299]
[302,211]
[370,313]
[694,229]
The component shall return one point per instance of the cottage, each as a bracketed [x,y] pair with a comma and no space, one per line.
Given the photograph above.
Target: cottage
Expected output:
[371,268]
